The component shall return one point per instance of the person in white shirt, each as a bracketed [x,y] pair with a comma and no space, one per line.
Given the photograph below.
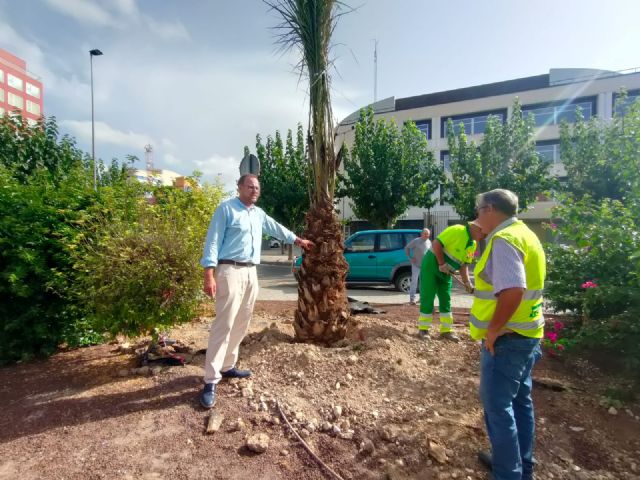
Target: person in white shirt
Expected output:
[415,250]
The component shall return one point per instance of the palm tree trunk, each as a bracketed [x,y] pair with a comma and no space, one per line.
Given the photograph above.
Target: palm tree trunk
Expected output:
[323,313]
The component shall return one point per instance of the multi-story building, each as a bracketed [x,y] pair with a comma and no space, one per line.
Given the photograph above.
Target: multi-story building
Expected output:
[19,89]
[551,98]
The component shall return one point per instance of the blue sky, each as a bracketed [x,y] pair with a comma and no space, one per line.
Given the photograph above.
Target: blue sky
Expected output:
[199,78]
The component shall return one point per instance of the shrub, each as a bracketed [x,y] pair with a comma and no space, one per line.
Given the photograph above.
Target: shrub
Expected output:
[143,272]
[594,273]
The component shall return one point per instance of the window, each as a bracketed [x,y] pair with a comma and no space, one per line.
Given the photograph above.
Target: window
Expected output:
[361,243]
[33,90]
[1,111]
[556,112]
[549,150]
[33,107]
[445,161]
[31,122]
[1,95]
[14,82]
[425,127]
[474,124]
[1,76]
[391,241]
[14,100]
[621,107]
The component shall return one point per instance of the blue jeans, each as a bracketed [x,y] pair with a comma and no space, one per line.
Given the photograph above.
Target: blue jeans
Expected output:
[505,391]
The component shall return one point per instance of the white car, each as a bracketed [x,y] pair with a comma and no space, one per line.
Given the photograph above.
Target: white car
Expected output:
[273,243]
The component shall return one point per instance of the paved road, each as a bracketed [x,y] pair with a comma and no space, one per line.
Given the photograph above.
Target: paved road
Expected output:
[277,283]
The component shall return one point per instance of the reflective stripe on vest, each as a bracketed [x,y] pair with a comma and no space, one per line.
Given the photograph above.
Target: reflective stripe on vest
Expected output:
[489,295]
[513,325]
[527,320]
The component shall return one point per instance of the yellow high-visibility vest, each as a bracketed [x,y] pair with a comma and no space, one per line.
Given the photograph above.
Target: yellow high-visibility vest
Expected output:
[527,320]
[457,245]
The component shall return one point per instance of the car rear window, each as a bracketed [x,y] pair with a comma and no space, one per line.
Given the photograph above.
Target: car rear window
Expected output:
[391,241]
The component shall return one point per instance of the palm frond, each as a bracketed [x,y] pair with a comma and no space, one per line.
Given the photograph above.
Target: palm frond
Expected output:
[307,26]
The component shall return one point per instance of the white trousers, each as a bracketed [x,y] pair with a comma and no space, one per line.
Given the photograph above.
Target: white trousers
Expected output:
[415,273]
[236,294]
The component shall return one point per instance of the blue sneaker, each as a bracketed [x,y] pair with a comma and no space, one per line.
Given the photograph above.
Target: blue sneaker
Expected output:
[236,373]
[208,396]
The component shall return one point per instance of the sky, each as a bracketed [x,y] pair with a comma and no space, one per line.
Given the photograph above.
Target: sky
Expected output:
[198,79]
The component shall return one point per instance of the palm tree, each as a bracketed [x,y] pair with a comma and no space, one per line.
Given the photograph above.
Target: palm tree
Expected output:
[323,311]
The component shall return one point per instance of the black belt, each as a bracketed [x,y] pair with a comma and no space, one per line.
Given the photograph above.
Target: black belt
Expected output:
[237,264]
[515,336]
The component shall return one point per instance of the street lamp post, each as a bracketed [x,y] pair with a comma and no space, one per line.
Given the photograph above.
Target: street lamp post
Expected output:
[92,53]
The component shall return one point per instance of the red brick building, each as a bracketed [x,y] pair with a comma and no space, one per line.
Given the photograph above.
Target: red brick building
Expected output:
[19,89]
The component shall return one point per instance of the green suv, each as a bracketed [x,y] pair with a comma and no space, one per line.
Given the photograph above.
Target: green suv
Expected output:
[377,257]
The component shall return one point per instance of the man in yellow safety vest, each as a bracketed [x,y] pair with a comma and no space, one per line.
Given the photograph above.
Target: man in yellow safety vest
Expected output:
[507,316]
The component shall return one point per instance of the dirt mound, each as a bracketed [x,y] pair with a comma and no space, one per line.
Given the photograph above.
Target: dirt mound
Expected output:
[382,404]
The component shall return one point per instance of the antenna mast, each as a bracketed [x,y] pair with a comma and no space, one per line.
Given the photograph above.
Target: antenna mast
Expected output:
[375,71]
[148,156]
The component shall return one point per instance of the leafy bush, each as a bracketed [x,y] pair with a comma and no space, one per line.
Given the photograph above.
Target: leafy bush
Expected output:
[142,273]
[75,262]
[594,266]
[42,200]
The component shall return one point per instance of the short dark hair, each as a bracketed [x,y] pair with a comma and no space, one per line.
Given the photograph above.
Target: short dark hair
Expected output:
[245,176]
[503,200]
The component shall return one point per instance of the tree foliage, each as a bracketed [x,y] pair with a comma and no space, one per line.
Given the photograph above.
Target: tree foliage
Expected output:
[505,158]
[388,170]
[284,178]
[76,263]
[594,263]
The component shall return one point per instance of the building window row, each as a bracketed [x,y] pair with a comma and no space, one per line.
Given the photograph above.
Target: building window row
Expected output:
[1,95]
[1,76]
[547,149]
[621,107]
[554,113]
[473,124]
[550,113]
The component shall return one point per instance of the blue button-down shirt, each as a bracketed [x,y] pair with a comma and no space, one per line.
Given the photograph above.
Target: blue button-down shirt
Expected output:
[235,233]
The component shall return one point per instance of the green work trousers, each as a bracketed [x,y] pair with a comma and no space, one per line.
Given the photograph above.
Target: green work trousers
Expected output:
[433,282]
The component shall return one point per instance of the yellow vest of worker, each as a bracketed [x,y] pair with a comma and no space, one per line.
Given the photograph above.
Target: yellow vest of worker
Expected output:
[527,319]
[457,245]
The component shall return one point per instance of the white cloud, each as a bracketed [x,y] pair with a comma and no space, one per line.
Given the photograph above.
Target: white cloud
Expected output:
[220,167]
[118,14]
[166,30]
[84,11]
[106,134]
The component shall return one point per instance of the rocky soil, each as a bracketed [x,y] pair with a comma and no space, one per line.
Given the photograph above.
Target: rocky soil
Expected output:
[383,404]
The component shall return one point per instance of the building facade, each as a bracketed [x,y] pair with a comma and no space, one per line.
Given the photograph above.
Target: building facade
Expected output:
[551,98]
[19,89]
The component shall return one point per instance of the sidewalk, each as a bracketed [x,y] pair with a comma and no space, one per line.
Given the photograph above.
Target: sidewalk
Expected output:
[273,256]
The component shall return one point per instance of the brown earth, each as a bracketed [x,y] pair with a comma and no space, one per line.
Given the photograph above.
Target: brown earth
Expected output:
[74,416]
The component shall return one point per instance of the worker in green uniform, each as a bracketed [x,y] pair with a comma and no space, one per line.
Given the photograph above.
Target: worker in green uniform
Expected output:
[452,250]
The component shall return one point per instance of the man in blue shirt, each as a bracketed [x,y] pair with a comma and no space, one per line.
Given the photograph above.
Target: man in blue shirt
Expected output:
[231,253]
